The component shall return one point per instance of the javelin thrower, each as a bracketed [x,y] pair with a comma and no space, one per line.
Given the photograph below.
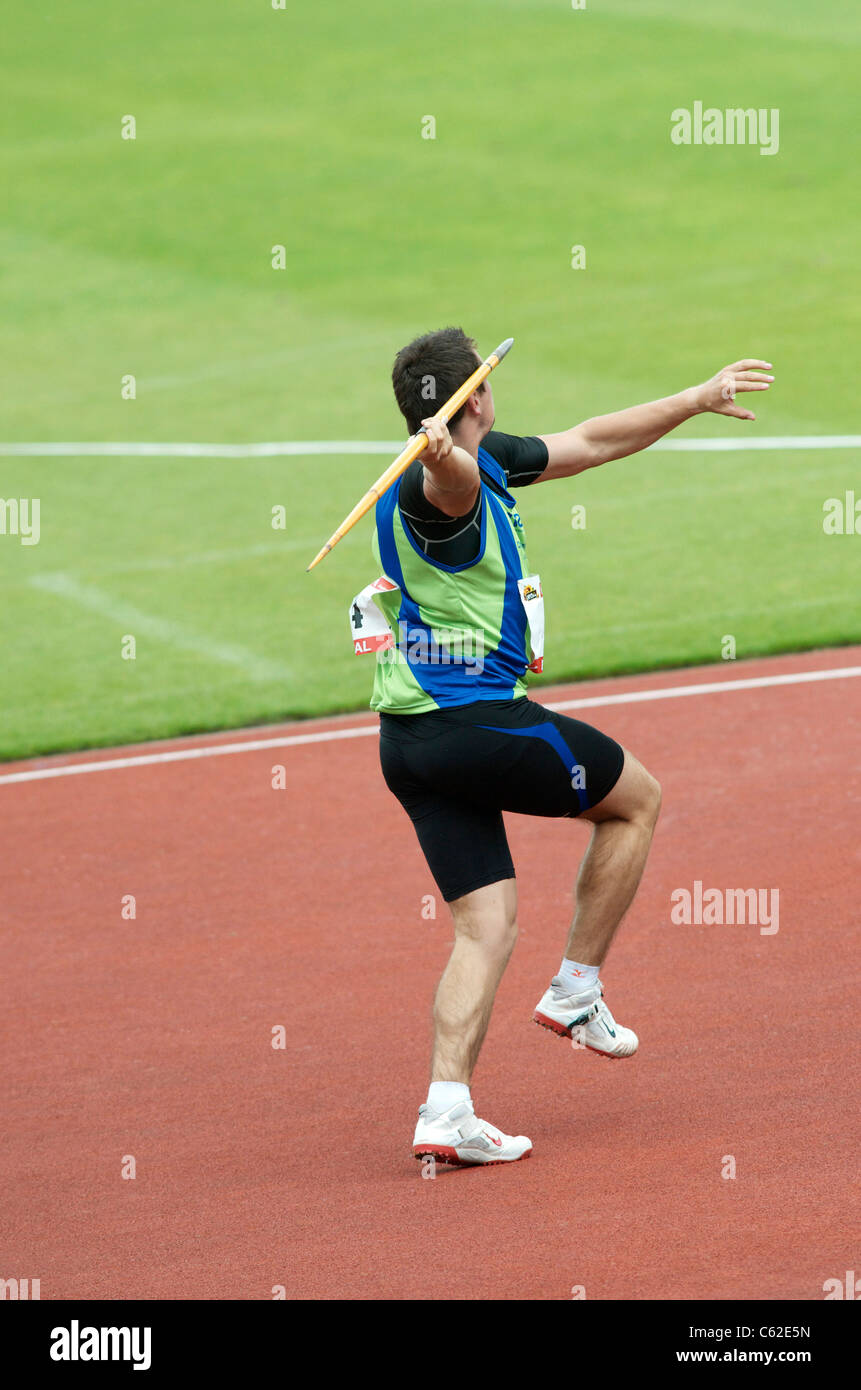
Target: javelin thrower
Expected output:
[456,621]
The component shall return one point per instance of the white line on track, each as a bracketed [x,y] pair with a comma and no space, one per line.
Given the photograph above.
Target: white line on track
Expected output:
[628,697]
[677,692]
[134,621]
[307,448]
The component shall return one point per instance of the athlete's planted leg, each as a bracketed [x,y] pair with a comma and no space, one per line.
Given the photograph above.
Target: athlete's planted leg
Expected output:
[485,927]
[485,930]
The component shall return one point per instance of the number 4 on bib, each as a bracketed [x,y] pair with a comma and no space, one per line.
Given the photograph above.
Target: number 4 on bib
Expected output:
[368,627]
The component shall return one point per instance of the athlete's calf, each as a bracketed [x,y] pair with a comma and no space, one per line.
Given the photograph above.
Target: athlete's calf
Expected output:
[624,823]
[485,930]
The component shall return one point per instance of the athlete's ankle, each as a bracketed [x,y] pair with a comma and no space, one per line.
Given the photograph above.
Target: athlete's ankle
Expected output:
[442,1095]
[576,977]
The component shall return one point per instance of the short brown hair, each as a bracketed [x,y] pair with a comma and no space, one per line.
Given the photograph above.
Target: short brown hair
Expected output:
[429,370]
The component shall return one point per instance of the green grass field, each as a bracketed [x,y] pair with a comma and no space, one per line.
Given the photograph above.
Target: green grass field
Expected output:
[302,127]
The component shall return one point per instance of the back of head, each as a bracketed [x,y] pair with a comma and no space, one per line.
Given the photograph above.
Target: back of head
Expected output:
[429,370]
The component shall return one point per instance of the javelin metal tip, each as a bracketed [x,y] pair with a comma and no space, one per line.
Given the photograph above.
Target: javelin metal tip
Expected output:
[503,349]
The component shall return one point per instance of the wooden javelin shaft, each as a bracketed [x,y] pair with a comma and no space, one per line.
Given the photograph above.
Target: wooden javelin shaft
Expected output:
[412,450]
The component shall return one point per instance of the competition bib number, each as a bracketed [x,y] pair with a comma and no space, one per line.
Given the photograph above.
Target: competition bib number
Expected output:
[371,632]
[532,598]
[368,627]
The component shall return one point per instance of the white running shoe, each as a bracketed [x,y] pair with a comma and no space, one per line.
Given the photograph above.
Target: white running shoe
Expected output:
[456,1136]
[585,1019]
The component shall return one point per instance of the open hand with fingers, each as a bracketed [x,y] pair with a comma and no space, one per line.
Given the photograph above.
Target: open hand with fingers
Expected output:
[718,395]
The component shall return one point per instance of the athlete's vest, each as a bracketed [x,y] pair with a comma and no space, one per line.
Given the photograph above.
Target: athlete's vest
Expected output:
[447,635]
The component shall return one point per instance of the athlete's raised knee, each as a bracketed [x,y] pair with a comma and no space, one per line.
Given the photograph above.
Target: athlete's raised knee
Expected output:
[653,797]
[643,800]
[635,797]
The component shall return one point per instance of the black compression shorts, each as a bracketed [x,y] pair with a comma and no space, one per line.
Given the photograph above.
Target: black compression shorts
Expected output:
[455,771]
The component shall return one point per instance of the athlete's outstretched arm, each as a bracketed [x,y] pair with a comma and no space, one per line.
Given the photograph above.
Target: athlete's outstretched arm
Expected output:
[627,431]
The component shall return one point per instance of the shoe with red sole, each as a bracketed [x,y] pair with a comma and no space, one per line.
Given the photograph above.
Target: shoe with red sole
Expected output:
[458,1137]
[585,1019]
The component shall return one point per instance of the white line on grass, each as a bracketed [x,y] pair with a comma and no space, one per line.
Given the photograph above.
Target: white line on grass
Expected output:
[200,557]
[672,692]
[304,449]
[215,451]
[133,621]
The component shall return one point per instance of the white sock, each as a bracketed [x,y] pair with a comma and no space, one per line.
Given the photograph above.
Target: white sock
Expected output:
[576,977]
[444,1094]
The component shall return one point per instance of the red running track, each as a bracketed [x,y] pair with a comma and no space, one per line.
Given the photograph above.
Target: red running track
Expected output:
[256,907]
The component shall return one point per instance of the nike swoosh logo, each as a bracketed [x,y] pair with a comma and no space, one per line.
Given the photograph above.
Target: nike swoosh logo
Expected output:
[610,1030]
[497,1142]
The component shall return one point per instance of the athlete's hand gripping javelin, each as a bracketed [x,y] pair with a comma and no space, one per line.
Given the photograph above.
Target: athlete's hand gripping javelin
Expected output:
[451,473]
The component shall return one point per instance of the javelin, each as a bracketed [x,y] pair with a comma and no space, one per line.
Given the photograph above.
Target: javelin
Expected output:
[413,449]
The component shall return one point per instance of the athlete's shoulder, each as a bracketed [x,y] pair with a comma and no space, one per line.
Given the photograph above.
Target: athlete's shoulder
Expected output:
[522,458]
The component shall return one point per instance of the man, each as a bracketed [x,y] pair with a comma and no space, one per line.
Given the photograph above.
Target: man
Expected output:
[460,742]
